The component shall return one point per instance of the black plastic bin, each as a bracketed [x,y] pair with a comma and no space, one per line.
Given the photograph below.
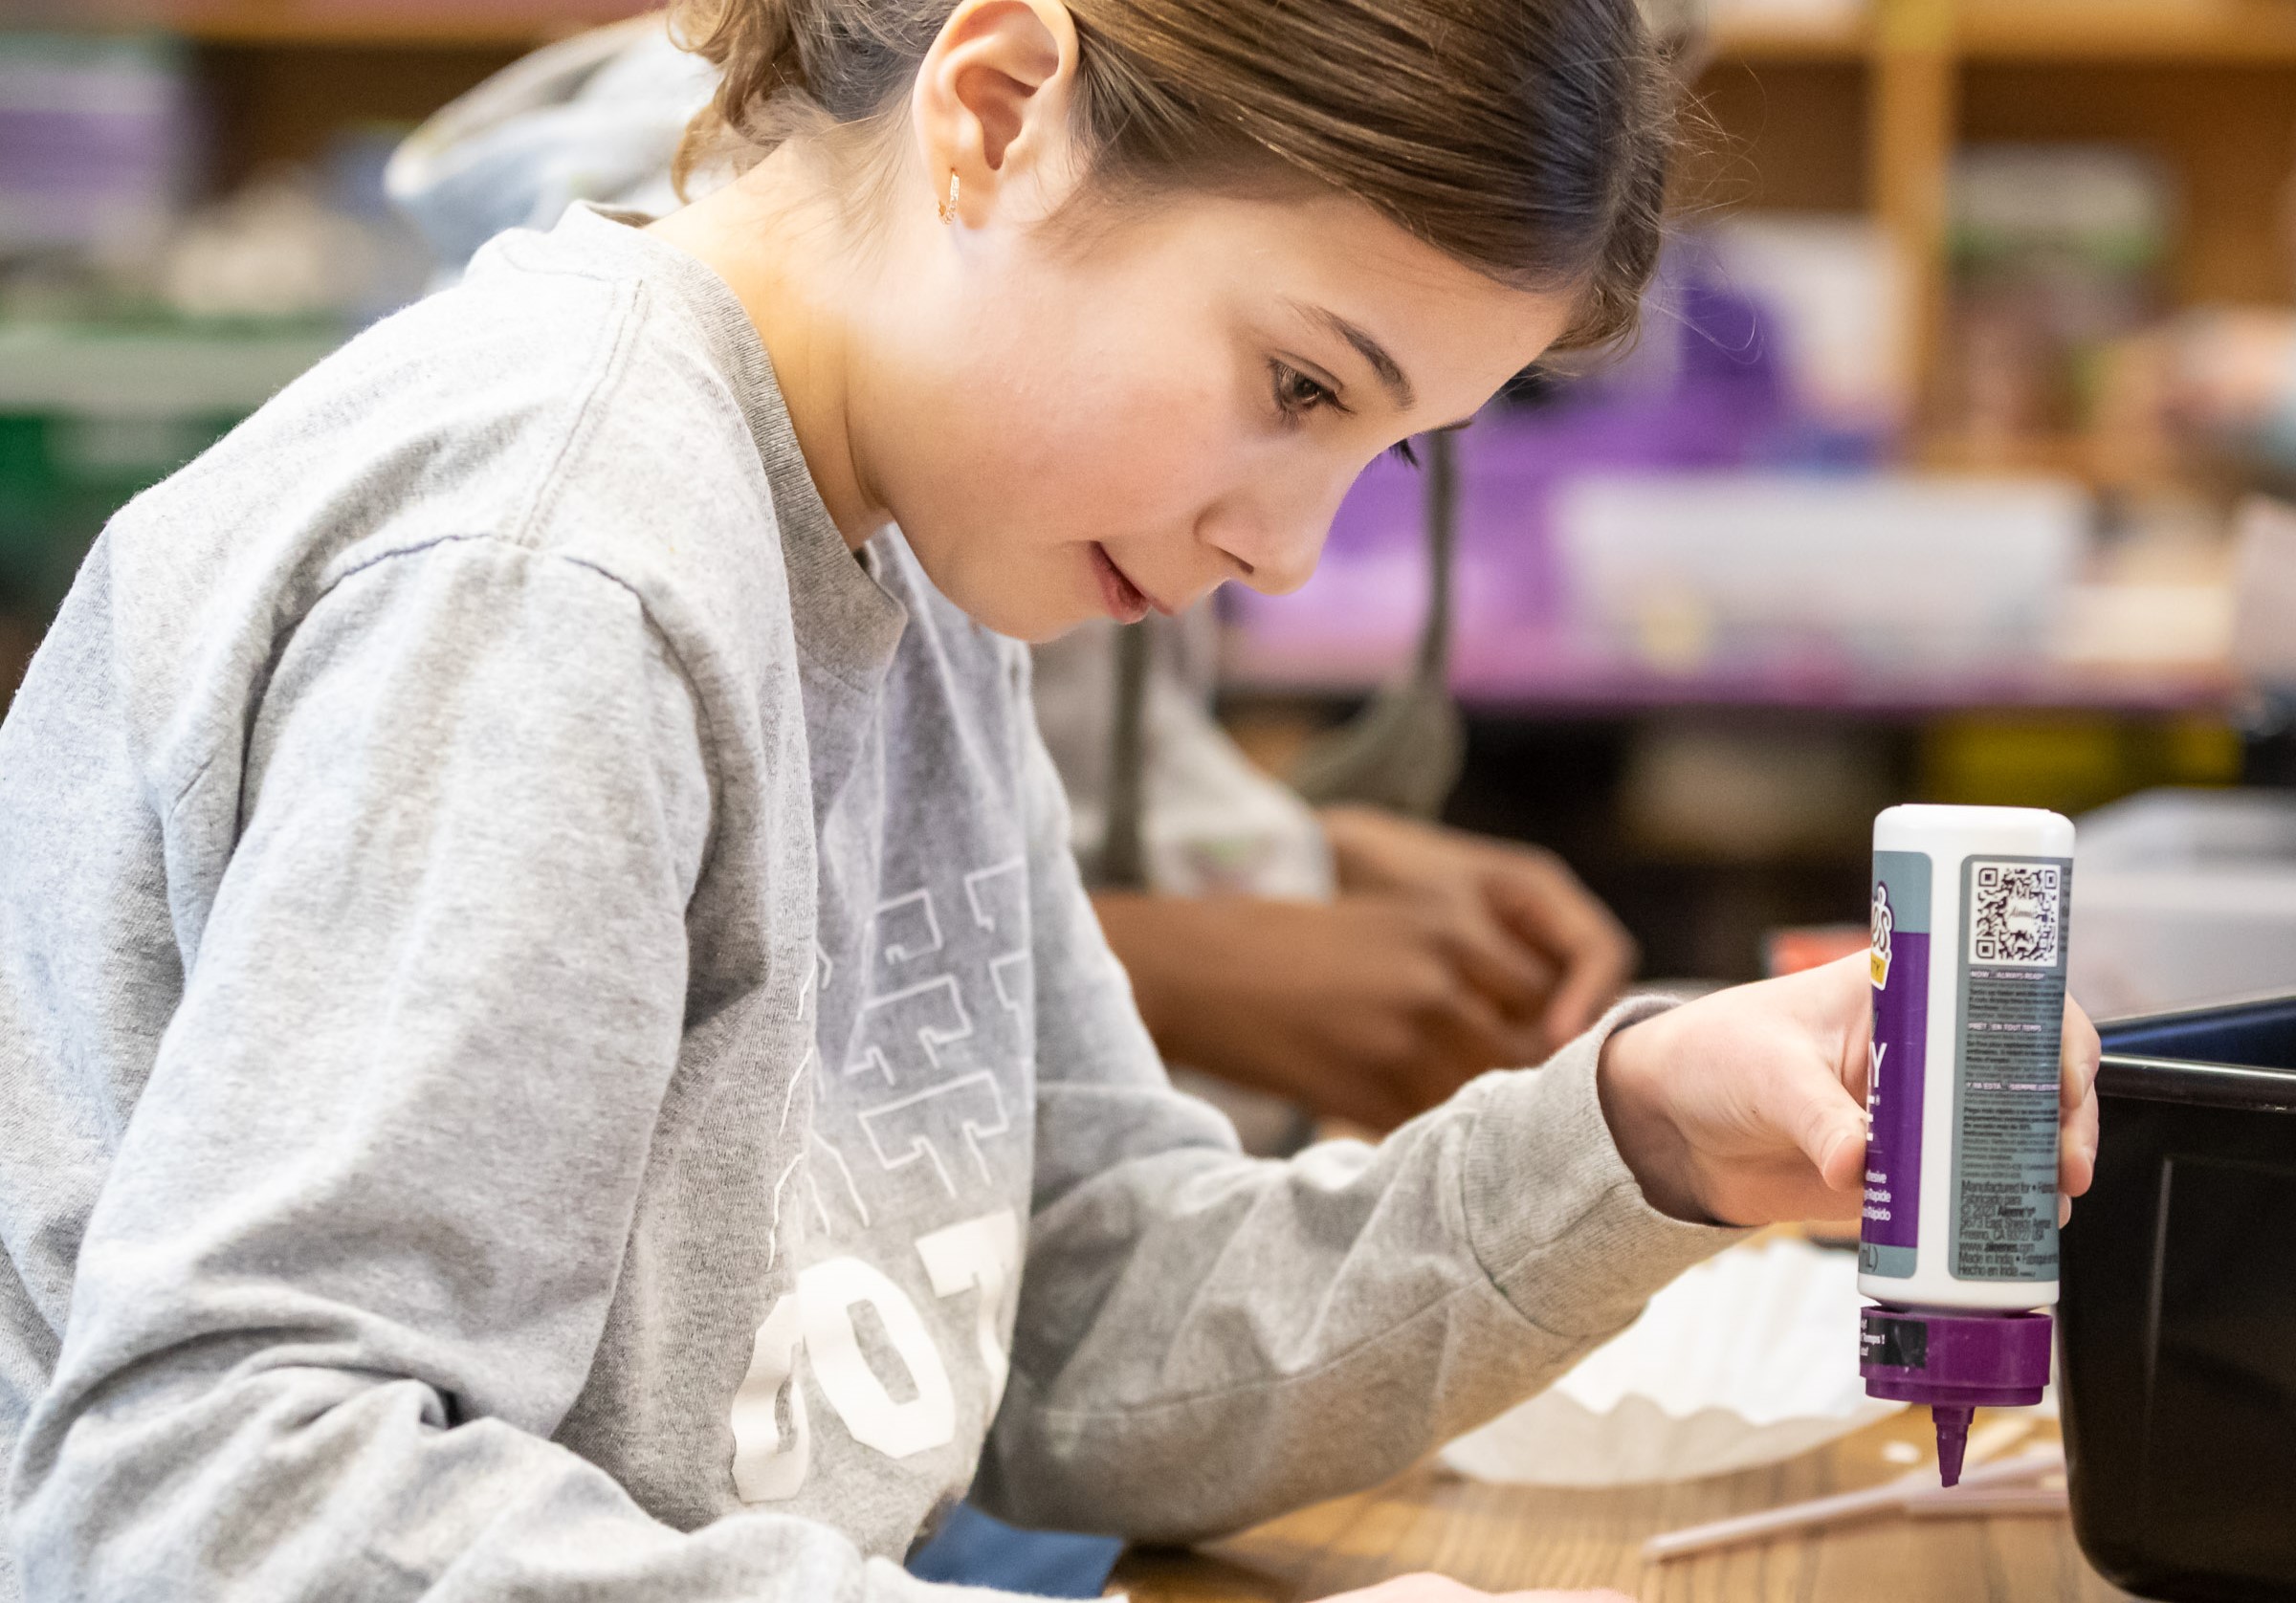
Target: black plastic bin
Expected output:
[2179,1320]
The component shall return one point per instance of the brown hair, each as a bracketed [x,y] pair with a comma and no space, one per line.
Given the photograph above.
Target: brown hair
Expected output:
[1527,139]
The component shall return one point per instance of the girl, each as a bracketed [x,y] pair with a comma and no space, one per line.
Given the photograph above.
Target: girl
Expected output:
[550,1045]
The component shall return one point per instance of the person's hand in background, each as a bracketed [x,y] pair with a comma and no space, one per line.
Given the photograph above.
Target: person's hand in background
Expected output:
[1372,1008]
[1747,1106]
[1443,956]
[1523,903]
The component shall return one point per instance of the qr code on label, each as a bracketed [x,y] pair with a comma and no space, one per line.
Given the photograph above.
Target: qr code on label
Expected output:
[2013,914]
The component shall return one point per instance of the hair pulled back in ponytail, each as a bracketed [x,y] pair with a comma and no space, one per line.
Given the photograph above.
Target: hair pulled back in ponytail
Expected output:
[1527,139]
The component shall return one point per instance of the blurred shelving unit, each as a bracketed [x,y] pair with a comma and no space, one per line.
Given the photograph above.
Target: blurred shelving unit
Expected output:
[302,23]
[1861,110]
[289,24]
[104,388]
[1818,106]
[1713,802]
[1867,112]
[280,76]
[1842,108]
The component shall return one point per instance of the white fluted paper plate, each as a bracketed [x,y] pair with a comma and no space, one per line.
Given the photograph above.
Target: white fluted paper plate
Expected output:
[1750,1358]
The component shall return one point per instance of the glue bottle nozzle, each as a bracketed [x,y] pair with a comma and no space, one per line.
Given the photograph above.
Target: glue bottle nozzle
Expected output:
[1953,1439]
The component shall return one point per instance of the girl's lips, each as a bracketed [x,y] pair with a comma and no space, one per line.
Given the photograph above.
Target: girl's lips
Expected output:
[1126,601]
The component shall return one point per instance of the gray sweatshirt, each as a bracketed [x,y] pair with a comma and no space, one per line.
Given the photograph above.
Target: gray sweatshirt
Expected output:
[551,1045]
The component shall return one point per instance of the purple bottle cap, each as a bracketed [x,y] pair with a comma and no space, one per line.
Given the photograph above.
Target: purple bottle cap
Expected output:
[1953,1362]
[1964,1360]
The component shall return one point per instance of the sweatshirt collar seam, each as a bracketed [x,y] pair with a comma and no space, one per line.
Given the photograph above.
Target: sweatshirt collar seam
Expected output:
[818,562]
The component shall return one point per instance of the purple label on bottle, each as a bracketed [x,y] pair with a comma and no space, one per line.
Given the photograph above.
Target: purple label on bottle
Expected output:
[1900,962]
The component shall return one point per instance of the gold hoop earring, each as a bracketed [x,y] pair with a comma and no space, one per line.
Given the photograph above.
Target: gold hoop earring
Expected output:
[948,208]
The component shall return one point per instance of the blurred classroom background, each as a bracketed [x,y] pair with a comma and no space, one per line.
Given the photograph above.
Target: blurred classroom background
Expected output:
[1944,471]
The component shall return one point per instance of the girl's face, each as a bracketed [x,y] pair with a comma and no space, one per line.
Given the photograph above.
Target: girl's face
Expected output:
[1089,406]
[1070,423]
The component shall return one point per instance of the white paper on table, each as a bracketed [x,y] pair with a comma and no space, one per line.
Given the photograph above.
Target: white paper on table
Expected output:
[1750,1358]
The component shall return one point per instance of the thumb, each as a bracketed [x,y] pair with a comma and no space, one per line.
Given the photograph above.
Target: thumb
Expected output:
[1829,1128]
[1829,1112]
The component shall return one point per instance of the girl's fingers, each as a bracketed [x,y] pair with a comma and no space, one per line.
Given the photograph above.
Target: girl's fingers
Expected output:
[2079,1058]
[2077,1095]
[2077,1163]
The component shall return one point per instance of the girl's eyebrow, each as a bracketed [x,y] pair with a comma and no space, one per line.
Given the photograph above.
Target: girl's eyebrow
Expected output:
[1386,368]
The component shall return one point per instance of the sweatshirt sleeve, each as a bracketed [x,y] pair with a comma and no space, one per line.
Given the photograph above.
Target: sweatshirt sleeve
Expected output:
[352,1262]
[1205,1339]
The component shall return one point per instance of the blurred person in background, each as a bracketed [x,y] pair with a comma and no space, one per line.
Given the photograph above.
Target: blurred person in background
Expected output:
[2231,379]
[1341,961]
[1344,958]
[2223,376]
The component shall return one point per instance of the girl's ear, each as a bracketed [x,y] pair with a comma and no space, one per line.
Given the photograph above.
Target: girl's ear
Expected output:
[991,108]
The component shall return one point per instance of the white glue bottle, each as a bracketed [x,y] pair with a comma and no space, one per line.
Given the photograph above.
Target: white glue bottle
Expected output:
[1959,1240]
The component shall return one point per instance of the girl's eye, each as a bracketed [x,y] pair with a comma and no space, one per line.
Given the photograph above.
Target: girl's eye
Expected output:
[1295,394]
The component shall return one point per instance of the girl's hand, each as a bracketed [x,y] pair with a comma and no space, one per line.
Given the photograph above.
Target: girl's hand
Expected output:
[1442,1589]
[1747,1106]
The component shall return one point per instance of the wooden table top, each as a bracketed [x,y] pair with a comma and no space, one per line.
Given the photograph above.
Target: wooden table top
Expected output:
[1516,1538]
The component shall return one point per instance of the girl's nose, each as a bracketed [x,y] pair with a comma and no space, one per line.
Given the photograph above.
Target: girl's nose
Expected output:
[1271,541]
